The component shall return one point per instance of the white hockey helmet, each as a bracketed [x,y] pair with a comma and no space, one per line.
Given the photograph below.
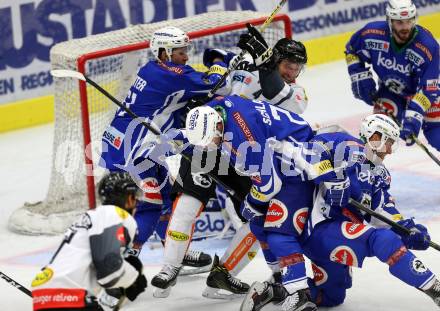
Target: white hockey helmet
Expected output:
[382,124]
[400,9]
[168,38]
[201,125]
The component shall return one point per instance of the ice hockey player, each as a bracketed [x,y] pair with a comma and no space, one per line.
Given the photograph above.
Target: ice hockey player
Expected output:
[405,57]
[338,236]
[159,95]
[92,253]
[253,135]
[278,76]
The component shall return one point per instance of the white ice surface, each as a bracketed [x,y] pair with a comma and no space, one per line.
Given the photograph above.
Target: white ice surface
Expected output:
[25,168]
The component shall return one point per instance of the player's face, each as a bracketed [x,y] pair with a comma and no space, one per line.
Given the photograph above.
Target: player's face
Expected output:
[217,140]
[180,56]
[381,151]
[402,29]
[289,71]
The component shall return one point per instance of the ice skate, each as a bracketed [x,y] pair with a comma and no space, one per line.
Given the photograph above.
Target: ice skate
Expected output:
[221,280]
[195,262]
[164,280]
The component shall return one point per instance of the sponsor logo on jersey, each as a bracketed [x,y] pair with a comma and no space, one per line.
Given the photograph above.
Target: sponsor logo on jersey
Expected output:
[276,214]
[418,267]
[432,85]
[114,137]
[193,120]
[216,69]
[358,157]
[83,222]
[201,180]
[414,57]
[373,31]
[42,277]
[120,235]
[151,189]
[242,79]
[351,59]
[320,276]
[353,230]
[424,49]
[121,213]
[177,70]
[244,127]
[300,218]
[178,236]
[385,104]
[323,167]
[421,100]
[260,107]
[344,255]
[377,45]
[392,64]
[257,195]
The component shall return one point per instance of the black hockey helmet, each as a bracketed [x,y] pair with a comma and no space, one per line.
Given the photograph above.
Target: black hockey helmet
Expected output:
[115,187]
[290,49]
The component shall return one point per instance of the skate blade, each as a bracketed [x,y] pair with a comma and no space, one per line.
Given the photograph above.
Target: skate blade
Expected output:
[248,303]
[217,293]
[191,271]
[161,293]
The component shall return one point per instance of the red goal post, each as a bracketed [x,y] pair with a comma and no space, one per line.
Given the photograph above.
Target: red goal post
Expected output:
[82,113]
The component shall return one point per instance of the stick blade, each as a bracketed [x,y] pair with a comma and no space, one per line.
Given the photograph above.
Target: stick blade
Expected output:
[65,73]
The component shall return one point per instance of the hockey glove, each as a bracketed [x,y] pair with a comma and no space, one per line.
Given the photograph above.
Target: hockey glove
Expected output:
[254,43]
[211,54]
[338,192]
[363,86]
[249,212]
[418,239]
[411,124]
[137,287]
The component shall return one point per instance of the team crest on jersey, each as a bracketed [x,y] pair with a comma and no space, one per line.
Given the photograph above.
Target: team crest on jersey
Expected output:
[344,255]
[414,57]
[352,230]
[201,180]
[418,267]
[83,222]
[42,277]
[113,136]
[432,85]
[320,276]
[377,45]
[276,214]
[251,255]
[300,218]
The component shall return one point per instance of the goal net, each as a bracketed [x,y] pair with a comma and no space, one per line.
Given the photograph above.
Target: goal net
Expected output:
[112,60]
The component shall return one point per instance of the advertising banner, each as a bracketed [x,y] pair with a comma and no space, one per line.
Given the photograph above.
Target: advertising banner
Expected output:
[30,28]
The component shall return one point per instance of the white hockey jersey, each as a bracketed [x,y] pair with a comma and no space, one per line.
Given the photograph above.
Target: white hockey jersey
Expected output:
[246,83]
[89,256]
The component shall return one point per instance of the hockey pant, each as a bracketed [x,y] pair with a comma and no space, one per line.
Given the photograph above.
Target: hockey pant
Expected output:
[347,244]
[283,225]
[397,105]
[192,190]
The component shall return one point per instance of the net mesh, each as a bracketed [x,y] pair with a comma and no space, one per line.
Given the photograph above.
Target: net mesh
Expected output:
[68,193]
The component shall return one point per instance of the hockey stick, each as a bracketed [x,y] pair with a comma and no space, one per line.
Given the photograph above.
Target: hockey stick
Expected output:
[413,136]
[388,221]
[242,53]
[15,284]
[63,73]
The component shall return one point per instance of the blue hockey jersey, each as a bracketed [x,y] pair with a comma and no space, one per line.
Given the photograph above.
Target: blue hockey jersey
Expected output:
[410,71]
[254,132]
[368,182]
[158,95]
